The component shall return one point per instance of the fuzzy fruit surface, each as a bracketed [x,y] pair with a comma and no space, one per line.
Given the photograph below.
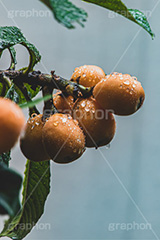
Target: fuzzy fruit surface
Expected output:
[63,139]
[98,125]
[31,142]
[88,75]
[64,104]
[119,93]
[11,124]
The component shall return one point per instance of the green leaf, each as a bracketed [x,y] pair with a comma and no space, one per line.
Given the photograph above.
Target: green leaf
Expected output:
[32,93]
[3,88]
[66,12]
[10,184]
[141,20]
[10,36]
[5,158]
[17,96]
[36,188]
[119,7]
[12,94]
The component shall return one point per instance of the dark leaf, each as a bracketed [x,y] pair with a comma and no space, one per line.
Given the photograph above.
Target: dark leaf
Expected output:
[5,158]
[10,184]
[36,188]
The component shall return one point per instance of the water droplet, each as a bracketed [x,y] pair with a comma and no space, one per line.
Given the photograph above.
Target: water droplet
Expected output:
[84,66]
[87,109]
[134,78]
[126,82]
[69,117]
[135,82]
[64,120]
[127,90]
[84,75]
[80,150]
[108,146]
[131,91]
[133,85]
[55,124]
[83,104]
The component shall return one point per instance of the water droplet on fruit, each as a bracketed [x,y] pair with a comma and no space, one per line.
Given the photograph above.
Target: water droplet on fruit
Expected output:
[32,126]
[64,120]
[134,78]
[126,82]
[135,82]
[69,117]
[87,109]
[55,124]
[83,104]
[80,150]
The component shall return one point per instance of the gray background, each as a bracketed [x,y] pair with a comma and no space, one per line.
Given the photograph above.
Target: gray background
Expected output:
[116,185]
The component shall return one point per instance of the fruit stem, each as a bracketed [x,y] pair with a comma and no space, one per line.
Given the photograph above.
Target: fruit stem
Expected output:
[37,78]
[24,91]
[13,61]
[49,108]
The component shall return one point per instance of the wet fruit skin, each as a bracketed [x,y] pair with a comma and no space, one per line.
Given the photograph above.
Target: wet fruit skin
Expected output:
[11,124]
[120,93]
[98,125]
[31,142]
[63,104]
[88,75]
[63,139]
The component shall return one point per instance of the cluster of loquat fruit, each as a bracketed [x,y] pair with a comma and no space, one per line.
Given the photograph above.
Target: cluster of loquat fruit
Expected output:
[78,123]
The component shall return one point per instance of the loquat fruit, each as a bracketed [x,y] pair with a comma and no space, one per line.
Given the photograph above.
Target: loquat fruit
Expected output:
[11,124]
[120,93]
[88,75]
[98,125]
[31,142]
[63,139]
[63,104]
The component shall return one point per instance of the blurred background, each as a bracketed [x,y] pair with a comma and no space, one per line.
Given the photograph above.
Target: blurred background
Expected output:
[109,193]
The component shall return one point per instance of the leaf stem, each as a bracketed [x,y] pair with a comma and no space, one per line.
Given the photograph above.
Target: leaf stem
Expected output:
[24,91]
